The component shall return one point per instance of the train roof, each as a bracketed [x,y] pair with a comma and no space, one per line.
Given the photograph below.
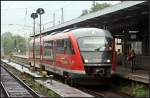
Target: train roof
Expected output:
[90,31]
[77,32]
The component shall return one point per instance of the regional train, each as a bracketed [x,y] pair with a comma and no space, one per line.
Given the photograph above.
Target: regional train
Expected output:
[79,54]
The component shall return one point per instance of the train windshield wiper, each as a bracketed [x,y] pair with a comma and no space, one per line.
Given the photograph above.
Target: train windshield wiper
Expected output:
[101,48]
[97,49]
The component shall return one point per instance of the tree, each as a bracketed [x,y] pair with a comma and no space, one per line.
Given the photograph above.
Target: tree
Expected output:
[7,43]
[95,8]
[19,44]
[13,43]
[84,12]
[99,6]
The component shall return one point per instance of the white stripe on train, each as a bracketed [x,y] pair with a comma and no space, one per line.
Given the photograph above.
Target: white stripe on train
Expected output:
[60,70]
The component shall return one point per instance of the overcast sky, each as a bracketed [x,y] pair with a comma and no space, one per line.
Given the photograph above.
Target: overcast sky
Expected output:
[15,15]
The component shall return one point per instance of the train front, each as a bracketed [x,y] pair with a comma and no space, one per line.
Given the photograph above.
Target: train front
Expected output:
[96,50]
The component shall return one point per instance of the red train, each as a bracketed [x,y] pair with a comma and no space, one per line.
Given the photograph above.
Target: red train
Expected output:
[83,53]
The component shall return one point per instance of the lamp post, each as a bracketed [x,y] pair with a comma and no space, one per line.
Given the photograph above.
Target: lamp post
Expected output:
[34,16]
[40,11]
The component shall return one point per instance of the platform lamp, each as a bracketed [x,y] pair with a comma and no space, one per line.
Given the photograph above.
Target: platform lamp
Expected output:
[40,11]
[34,16]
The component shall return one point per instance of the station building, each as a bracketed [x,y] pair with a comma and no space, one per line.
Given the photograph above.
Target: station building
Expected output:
[128,22]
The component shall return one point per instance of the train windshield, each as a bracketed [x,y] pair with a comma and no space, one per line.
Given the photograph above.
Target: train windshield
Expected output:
[95,43]
[96,49]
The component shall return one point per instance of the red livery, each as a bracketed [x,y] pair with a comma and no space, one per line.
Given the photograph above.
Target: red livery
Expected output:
[76,53]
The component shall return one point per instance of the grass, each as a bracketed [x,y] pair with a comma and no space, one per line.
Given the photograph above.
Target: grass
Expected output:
[140,90]
[134,88]
[40,88]
[34,85]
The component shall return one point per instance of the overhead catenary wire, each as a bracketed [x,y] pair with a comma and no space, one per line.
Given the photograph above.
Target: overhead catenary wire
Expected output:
[30,6]
[45,4]
[53,12]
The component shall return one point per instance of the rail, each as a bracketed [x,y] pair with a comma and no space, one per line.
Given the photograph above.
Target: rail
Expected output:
[7,94]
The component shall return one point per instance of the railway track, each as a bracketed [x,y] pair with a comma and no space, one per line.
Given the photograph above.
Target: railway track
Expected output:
[105,93]
[11,86]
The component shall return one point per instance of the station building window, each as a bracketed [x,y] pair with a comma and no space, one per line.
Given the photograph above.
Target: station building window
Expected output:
[137,46]
[118,44]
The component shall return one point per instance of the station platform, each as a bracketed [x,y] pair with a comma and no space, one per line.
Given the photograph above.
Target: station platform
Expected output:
[22,68]
[62,89]
[21,56]
[137,75]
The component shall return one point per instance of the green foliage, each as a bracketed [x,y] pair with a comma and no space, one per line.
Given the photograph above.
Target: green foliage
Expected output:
[95,8]
[44,90]
[13,43]
[84,12]
[7,42]
[140,90]
[135,89]
[99,6]
[20,43]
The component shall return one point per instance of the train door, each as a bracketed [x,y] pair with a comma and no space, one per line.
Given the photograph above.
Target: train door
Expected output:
[54,55]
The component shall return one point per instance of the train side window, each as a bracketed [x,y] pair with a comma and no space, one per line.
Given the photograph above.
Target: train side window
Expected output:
[60,46]
[64,46]
[68,46]
[47,48]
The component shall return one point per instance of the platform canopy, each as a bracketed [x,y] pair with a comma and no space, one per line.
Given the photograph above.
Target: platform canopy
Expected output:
[112,18]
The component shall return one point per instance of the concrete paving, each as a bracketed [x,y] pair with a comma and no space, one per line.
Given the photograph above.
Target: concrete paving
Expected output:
[22,68]
[137,75]
[63,90]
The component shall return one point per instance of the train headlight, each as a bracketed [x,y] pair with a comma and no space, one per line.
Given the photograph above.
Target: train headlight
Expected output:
[85,60]
[108,61]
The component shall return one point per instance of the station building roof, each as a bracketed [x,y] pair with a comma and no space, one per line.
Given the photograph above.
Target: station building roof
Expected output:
[109,18]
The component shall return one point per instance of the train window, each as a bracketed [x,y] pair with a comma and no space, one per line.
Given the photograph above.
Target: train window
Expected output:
[64,46]
[69,48]
[94,43]
[47,48]
[109,41]
[60,46]
[91,43]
